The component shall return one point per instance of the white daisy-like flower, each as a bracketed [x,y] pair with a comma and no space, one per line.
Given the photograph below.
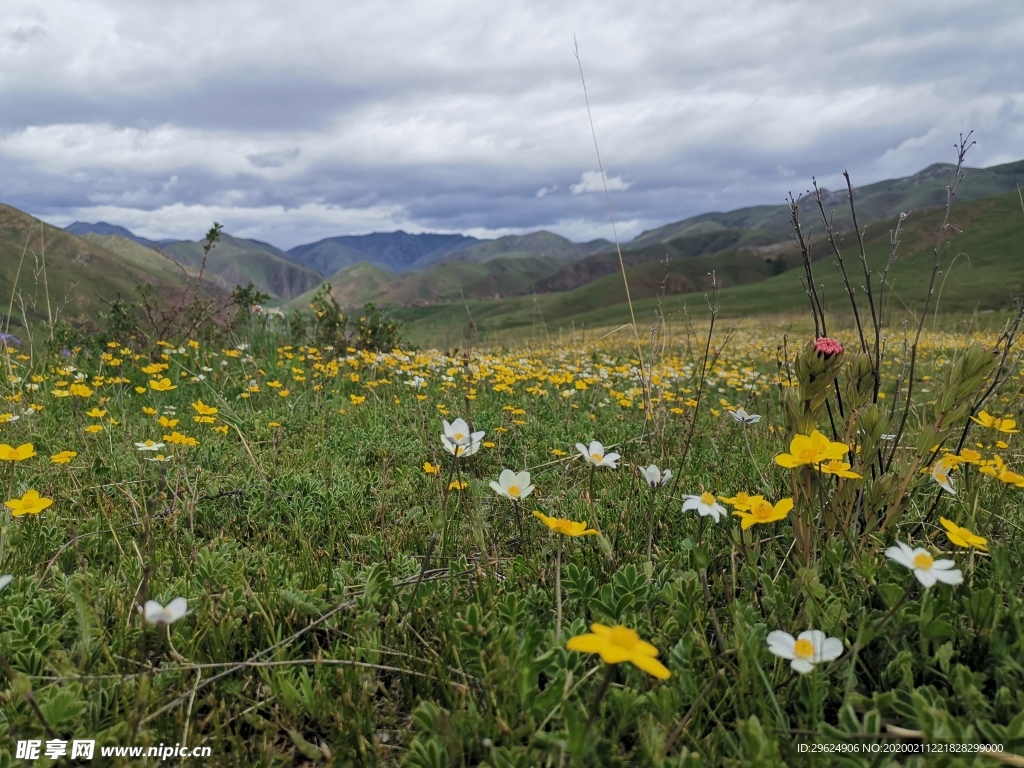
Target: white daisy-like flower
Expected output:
[159,457]
[149,445]
[459,433]
[706,504]
[206,368]
[417,382]
[5,580]
[594,454]
[155,613]
[512,485]
[655,476]
[743,417]
[926,568]
[940,474]
[810,648]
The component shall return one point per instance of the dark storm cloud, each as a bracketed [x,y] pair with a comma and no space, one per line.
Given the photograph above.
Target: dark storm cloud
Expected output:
[299,122]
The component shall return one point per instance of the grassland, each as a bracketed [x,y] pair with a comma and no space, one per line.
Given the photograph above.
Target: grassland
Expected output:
[358,596]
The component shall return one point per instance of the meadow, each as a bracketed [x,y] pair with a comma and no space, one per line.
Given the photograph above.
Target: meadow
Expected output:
[363,591]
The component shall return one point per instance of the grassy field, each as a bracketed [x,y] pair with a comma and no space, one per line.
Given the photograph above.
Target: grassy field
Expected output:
[358,593]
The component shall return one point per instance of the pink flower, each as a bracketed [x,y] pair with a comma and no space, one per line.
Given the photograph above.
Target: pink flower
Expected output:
[827,347]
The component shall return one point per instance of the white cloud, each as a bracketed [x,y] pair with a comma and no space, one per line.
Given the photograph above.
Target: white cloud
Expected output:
[591,181]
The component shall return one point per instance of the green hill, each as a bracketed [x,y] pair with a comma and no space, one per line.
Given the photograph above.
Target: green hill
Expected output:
[237,262]
[982,270]
[79,274]
[350,286]
[534,244]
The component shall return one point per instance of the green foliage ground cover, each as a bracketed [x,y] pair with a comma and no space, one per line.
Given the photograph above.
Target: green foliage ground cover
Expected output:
[297,521]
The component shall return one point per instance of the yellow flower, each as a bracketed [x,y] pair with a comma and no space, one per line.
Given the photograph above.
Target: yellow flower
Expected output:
[64,457]
[565,527]
[1006,426]
[22,452]
[161,385]
[168,423]
[92,429]
[140,390]
[557,452]
[429,468]
[222,429]
[96,413]
[202,409]
[176,438]
[29,504]
[79,390]
[618,644]
[969,456]
[963,537]
[810,449]
[840,468]
[456,485]
[357,399]
[740,501]
[284,392]
[147,410]
[273,424]
[203,419]
[762,511]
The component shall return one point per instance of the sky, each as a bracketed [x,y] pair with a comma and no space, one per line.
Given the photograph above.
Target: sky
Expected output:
[291,122]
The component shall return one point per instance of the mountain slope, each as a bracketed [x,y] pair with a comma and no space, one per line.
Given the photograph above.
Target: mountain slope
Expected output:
[104,229]
[79,275]
[237,261]
[881,200]
[542,243]
[351,286]
[395,251]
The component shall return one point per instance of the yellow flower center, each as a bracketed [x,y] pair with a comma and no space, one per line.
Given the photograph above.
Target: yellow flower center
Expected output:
[707,498]
[623,636]
[459,435]
[762,510]
[923,560]
[596,456]
[808,455]
[803,648]
[513,491]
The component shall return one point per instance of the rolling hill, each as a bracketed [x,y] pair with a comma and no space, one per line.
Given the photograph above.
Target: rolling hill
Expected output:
[395,251]
[104,229]
[79,275]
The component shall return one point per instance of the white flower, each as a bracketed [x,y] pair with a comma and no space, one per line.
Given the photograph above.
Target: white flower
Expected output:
[743,417]
[889,437]
[927,569]
[149,445]
[940,474]
[655,476]
[513,485]
[595,455]
[706,504]
[417,382]
[5,580]
[458,433]
[159,457]
[810,648]
[158,614]
[206,368]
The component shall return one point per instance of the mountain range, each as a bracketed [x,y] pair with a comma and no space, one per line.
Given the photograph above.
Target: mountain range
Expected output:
[748,245]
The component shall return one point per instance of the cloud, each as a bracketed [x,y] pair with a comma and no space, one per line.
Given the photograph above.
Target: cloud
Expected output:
[591,181]
[462,116]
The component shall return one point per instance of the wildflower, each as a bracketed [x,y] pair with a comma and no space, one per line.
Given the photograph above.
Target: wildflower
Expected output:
[458,485]
[654,476]
[204,410]
[94,428]
[149,445]
[811,449]
[161,385]
[705,504]
[79,390]
[155,613]
[940,474]
[557,452]
[458,432]
[838,468]
[565,527]
[618,644]
[96,413]
[826,347]
[5,580]
[743,417]
[763,511]
[810,648]
[963,537]
[223,429]
[8,340]
[1006,426]
[29,504]
[64,457]
[595,455]
[159,457]
[969,456]
[512,485]
[356,399]
[926,568]
[429,468]
[168,423]
[741,500]
[22,452]
[176,438]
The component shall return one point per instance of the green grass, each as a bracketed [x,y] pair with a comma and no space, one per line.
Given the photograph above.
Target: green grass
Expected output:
[299,538]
